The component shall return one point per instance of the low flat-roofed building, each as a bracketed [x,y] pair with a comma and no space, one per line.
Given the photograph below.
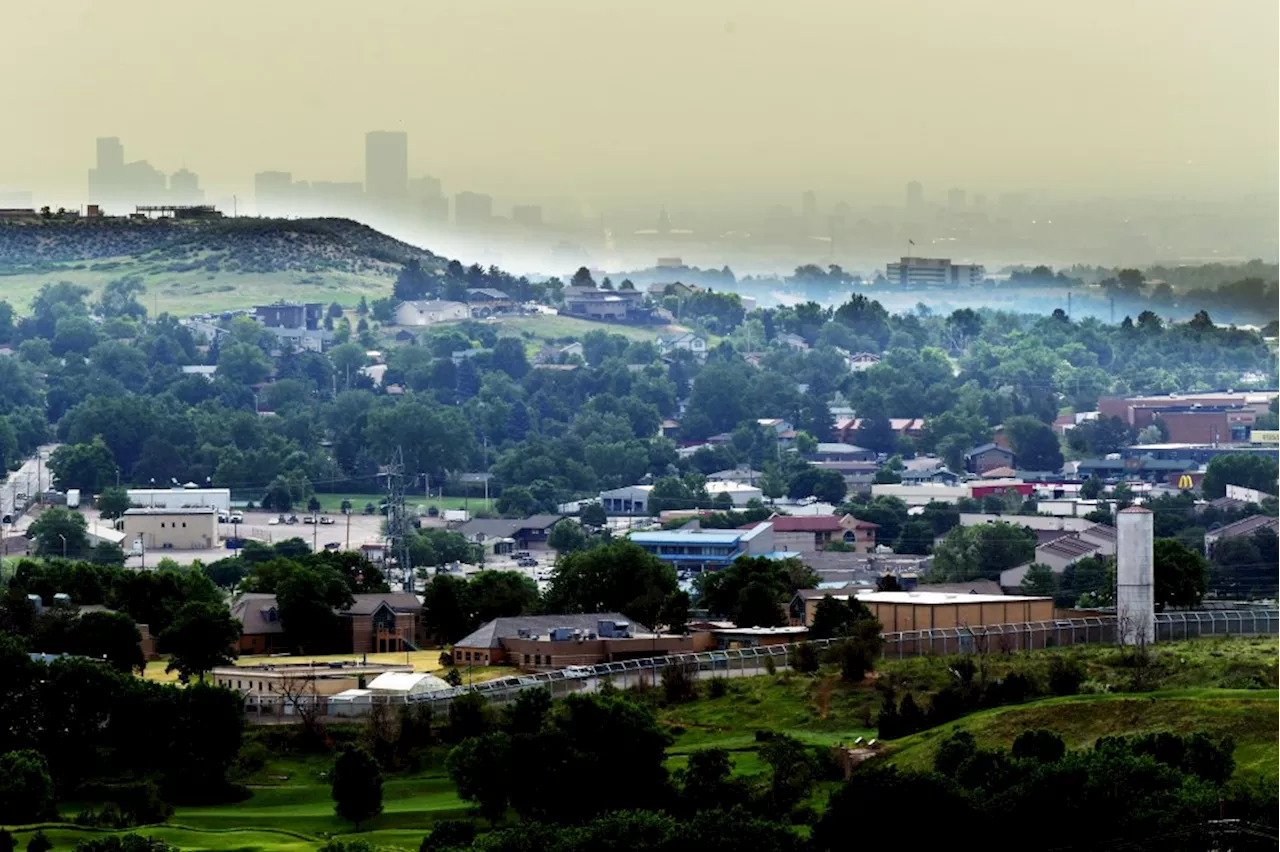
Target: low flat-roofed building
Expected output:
[926,610]
[810,534]
[172,529]
[300,679]
[755,637]
[706,550]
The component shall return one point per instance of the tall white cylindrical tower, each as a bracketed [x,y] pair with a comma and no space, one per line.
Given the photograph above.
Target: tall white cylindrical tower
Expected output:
[1135,576]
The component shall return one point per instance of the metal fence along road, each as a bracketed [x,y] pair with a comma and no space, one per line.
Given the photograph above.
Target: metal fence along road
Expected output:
[740,662]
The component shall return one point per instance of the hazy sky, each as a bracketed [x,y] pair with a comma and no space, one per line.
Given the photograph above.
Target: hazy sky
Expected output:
[674,99]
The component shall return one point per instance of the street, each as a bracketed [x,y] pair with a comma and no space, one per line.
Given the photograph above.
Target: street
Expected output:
[23,481]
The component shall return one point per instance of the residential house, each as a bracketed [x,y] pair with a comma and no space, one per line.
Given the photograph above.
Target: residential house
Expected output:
[795,341]
[777,424]
[846,428]
[837,451]
[504,535]
[430,312]
[463,354]
[614,305]
[810,534]
[924,469]
[860,361]
[295,326]
[737,474]
[559,354]
[987,456]
[486,301]
[685,340]
[207,371]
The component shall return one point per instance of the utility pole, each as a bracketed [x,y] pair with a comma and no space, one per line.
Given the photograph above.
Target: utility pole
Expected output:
[348,514]
[397,521]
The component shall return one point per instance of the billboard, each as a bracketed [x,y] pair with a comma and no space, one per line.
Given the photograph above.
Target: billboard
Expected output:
[1265,436]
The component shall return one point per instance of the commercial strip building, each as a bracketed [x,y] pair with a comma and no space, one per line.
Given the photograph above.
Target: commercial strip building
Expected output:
[707,550]
[928,610]
[172,529]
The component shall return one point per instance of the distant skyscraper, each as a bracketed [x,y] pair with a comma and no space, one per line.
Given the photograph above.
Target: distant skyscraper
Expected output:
[809,205]
[529,215]
[472,210]
[273,193]
[116,183]
[386,166]
[184,188]
[955,199]
[110,153]
[979,201]
[423,188]
[915,195]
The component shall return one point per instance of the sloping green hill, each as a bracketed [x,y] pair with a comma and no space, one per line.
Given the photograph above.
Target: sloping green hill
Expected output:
[1251,717]
[199,266]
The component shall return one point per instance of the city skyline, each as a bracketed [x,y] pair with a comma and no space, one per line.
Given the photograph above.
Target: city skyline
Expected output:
[1095,99]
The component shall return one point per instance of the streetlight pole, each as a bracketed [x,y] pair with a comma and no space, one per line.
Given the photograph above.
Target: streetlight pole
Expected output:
[64,545]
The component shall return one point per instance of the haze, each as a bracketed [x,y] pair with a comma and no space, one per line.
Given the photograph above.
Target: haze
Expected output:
[702,104]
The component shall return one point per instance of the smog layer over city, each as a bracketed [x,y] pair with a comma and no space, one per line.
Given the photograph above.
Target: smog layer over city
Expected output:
[726,425]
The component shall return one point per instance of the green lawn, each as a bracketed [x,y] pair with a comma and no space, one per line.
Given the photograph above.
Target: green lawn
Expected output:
[547,327]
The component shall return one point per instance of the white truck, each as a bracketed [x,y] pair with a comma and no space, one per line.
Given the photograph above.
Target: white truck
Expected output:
[73,498]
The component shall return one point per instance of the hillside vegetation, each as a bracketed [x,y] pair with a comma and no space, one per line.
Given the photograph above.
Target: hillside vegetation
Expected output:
[195,266]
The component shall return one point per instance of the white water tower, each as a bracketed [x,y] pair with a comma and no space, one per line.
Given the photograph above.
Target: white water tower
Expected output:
[1135,576]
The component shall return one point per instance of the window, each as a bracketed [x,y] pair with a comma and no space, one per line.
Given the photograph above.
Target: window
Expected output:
[162,525]
[184,525]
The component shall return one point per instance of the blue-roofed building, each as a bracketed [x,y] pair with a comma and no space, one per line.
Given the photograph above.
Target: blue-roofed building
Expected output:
[706,550]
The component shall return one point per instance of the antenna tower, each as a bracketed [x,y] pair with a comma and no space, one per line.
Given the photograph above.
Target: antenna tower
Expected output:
[398,526]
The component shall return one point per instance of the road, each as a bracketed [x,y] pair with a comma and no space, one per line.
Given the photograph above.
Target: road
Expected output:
[23,480]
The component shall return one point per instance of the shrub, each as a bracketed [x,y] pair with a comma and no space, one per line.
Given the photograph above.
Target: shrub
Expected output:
[678,685]
[1039,745]
[953,751]
[448,834]
[718,687]
[804,658]
[1065,675]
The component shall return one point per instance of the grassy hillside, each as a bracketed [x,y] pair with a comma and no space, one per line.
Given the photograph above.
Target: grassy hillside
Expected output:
[1251,717]
[1215,686]
[194,267]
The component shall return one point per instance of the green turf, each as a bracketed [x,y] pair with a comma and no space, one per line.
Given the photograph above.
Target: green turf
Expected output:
[332,503]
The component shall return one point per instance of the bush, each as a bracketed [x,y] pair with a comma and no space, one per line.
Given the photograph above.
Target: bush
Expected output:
[955,750]
[718,687]
[1065,675]
[678,685]
[804,658]
[448,834]
[1039,745]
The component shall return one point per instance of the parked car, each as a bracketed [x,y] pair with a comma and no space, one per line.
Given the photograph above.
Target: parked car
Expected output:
[527,563]
[325,519]
[332,545]
[293,519]
[273,521]
[309,519]
[237,518]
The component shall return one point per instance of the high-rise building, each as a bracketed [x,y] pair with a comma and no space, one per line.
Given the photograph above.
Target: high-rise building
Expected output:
[273,193]
[116,183]
[529,215]
[915,195]
[956,199]
[809,205]
[935,272]
[386,166]
[184,188]
[472,210]
[110,153]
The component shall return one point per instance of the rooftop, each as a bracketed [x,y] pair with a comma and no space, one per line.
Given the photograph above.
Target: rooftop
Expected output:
[188,510]
[940,598]
[1247,526]
[491,633]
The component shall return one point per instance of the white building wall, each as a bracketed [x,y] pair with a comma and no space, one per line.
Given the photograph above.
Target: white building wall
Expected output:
[1135,576]
[181,498]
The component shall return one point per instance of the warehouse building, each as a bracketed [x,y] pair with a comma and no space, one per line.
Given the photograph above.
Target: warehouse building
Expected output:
[172,529]
[930,610]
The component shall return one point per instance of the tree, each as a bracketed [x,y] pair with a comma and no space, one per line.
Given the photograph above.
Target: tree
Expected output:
[501,594]
[447,834]
[201,636]
[113,502]
[1034,444]
[617,576]
[307,599]
[89,467]
[752,592]
[510,358]
[1038,581]
[26,788]
[7,843]
[110,636]
[1181,574]
[59,532]
[566,536]
[446,609]
[1039,745]
[39,843]
[243,363]
[1248,470]
[357,785]
[593,515]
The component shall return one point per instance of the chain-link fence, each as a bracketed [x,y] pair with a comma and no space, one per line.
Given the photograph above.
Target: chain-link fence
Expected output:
[741,662]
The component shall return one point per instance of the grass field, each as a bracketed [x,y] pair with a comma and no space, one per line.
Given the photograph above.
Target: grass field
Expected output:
[186,293]
[547,327]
